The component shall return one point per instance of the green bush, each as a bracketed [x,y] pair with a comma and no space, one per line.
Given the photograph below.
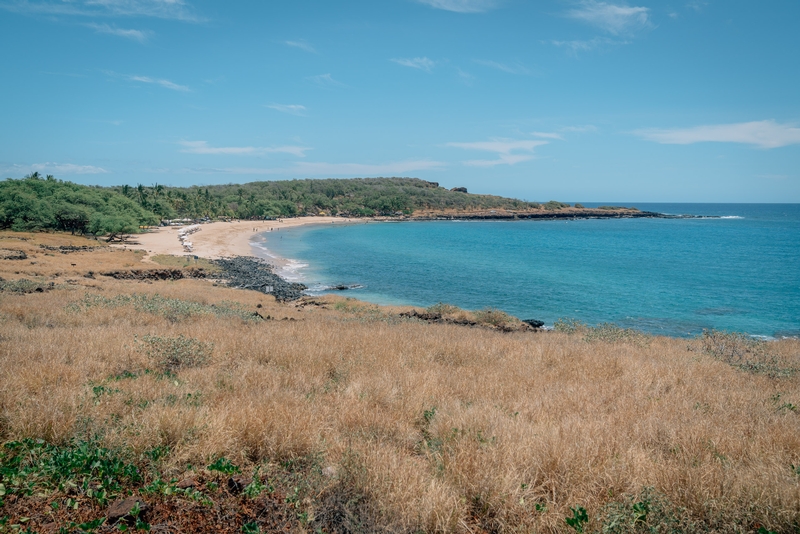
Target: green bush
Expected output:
[172,353]
[743,352]
[443,309]
[493,317]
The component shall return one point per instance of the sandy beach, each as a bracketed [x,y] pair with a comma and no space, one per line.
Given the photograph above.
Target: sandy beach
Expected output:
[217,239]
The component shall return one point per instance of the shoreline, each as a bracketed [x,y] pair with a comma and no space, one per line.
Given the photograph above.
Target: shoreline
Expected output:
[224,239]
[215,240]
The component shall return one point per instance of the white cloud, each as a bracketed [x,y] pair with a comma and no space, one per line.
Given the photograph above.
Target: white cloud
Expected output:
[55,169]
[462,6]
[547,135]
[136,35]
[164,9]
[291,109]
[302,45]
[516,68]
[331,169]
[697,5]
[573,47]
[325,80]
[163,83]
[613,18]
[503,148]
[201,147]
[422,63]
[763,134]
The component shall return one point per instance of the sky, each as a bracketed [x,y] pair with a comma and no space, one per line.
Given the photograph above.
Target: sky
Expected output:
[573,100]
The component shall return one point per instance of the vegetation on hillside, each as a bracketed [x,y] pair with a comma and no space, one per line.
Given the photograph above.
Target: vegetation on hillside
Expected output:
[357,197]
[337,416]
[44,203]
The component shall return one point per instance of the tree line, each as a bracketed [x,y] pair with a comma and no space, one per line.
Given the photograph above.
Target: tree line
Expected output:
[38,202]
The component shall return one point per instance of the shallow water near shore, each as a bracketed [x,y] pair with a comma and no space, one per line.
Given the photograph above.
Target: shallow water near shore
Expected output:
[740,271]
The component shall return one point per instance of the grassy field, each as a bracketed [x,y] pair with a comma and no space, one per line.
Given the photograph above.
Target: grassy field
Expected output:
[348,417]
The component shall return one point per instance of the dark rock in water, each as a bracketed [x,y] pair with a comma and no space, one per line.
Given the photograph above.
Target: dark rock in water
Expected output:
[237,483]
[533,322]
[459,189]
[122,509]
[244,272]
[342,287]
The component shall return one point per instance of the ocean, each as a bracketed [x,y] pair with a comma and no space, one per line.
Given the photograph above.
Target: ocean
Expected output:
[738,272]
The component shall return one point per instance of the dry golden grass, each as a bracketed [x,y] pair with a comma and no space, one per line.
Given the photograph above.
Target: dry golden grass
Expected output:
[427,427]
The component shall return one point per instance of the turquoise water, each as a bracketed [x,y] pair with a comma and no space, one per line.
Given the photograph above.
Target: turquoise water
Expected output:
[672,277]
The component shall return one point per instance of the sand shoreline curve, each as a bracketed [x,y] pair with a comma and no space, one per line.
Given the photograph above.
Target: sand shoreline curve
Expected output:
[217,239]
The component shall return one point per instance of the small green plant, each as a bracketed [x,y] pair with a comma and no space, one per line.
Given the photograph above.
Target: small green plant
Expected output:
[251,528]
[578,520]
[648,511]
[173,353]
[224,466]
[29,467]
[255,488]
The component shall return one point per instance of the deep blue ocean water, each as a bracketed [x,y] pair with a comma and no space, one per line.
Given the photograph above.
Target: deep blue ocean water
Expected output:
[665,276]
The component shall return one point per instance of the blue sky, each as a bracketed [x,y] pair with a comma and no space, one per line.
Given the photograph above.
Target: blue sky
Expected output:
[576,100]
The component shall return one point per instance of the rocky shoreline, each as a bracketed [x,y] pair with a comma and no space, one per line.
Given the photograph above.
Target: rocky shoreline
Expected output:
[570,214]
[246,272]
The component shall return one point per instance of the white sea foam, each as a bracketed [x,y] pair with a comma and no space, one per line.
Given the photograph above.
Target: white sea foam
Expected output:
[291,270]
[731,217]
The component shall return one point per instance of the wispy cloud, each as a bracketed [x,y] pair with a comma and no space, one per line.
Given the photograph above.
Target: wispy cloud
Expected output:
[465,76]
[291,109]
[547,135]
[506,150]
[163,83]
[421,63]
[302,45]
[576,46]
[202,147]
[697,5]
[462,6]
[617,19]
[515,68]
[398,168]
[52,168]
[762,134]
[325,80]
[136,35]
[164,9]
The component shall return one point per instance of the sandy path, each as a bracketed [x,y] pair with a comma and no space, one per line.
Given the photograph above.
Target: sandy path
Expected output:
[217,239]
